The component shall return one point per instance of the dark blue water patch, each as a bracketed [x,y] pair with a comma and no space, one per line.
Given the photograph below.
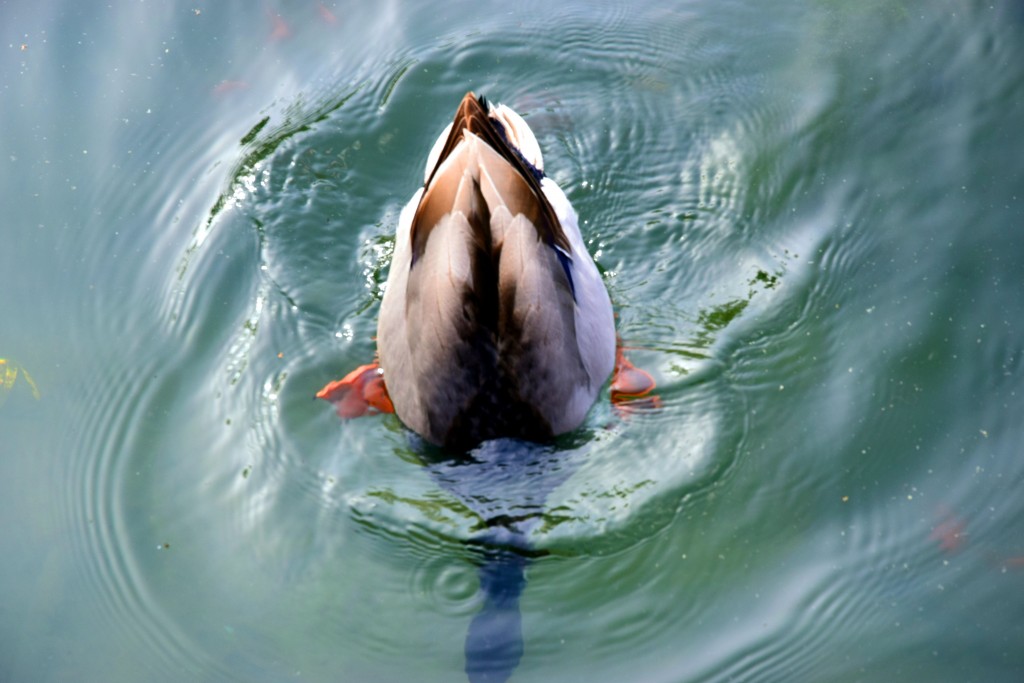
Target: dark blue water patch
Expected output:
[494,640]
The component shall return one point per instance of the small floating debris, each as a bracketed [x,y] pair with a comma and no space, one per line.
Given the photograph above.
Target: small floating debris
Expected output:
[9,371]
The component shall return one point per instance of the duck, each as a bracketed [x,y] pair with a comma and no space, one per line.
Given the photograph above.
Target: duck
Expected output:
[495,321]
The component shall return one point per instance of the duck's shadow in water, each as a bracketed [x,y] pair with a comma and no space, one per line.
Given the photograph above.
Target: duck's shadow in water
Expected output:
[506,482]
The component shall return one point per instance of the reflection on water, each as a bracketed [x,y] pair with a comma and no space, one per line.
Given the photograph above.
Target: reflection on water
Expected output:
[803,213]
[505,483]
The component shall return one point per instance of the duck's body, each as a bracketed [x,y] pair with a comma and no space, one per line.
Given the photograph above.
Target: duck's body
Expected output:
[495,321]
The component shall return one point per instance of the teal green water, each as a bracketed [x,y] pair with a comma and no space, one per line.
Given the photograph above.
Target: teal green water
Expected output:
[809,215]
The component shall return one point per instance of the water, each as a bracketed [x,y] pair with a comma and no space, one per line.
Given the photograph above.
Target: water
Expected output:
[808,214]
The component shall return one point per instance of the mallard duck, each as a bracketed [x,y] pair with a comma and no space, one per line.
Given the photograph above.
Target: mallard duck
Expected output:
[495,321]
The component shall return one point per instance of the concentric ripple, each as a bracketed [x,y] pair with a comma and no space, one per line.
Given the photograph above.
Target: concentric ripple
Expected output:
[806,481]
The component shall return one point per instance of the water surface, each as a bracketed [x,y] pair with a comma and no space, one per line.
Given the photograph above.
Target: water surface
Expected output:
[808,215]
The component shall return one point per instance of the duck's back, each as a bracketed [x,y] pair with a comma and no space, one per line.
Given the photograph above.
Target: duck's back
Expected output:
[491,323]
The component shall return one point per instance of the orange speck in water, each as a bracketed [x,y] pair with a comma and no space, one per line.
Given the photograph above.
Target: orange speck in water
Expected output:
[326,14]
[229,86]
[950,533]
[281,30]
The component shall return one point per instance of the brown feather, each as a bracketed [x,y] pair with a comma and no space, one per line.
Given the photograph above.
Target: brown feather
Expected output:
[527,196]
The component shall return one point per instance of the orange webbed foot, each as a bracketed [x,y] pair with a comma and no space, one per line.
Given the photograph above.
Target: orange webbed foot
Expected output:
[359,393]
[631,387]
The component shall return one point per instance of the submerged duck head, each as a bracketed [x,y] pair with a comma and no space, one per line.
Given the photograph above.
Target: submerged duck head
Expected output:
[495,321]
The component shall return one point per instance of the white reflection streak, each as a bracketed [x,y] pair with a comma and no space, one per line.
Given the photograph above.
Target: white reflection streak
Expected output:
[717,171]
[238,354]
